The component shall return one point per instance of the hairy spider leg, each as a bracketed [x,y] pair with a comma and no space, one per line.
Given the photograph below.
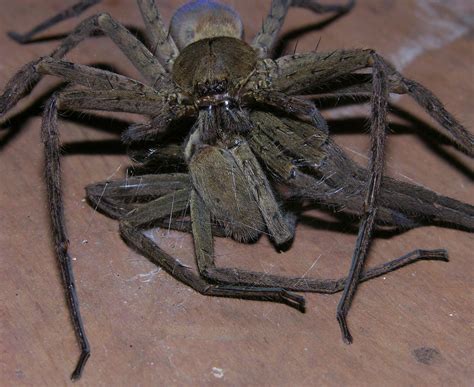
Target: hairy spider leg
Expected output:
[147,247]
[113,101]
[115,198]
[304,73]
[367,223]
[376,164]
[50,137]
[90,77]
[292,105]
[266,37]
[27,78]
[361,87]
[73,11]
[160,41]
[402,201]
[148,65]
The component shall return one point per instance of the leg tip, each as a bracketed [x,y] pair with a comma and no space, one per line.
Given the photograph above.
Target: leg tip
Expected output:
[347,339]
[295,300]
[19,38]
[435,255]
[346,335]
[85,354]
[443,255]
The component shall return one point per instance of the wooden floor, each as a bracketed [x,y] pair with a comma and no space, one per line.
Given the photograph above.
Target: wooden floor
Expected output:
[412,327]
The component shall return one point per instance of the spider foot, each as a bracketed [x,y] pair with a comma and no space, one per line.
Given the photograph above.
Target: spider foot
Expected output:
[346,335]
[294,300]
[19,38]
[85,354]
[434,255]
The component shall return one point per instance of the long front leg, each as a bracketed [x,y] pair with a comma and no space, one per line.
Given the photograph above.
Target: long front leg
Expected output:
[376,164]
[90,77]
[361,86]
[160,106]
[28,76]
[50,136]
[272,24]
[120,101]
[307,73]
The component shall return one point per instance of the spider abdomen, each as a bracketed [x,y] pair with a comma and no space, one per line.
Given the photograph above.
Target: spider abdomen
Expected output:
[200,19]
[222,186]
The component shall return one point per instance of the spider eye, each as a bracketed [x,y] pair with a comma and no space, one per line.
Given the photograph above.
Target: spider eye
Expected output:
[201,19]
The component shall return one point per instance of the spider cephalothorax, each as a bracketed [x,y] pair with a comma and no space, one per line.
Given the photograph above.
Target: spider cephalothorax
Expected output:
[211,73]
[248,133]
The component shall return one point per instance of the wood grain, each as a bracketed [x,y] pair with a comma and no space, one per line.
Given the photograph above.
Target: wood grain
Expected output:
[413,327]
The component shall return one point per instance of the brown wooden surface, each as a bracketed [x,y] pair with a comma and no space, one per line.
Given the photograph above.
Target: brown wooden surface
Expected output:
[147,329]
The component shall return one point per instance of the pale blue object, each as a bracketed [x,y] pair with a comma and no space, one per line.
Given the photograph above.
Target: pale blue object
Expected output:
[186,19]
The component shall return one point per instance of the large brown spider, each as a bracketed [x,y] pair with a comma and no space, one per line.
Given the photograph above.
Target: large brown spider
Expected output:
[249,131]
